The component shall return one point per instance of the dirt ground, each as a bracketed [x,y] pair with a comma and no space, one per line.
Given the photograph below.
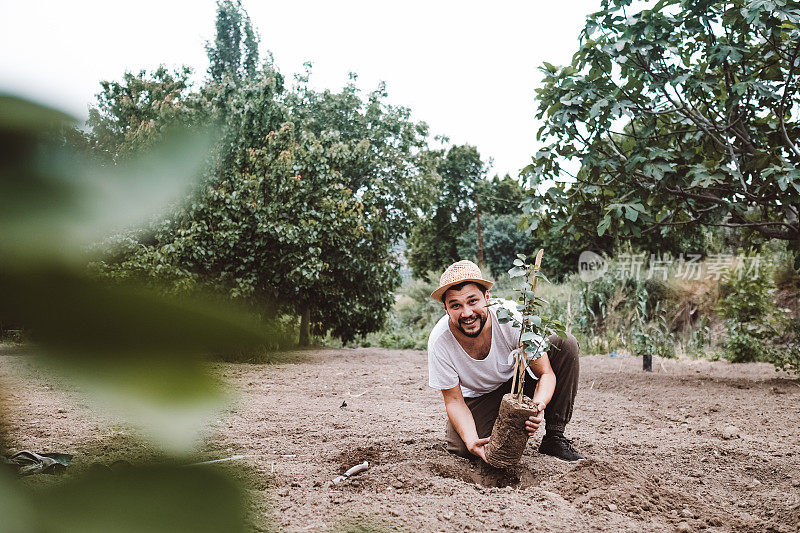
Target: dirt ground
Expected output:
[694,445]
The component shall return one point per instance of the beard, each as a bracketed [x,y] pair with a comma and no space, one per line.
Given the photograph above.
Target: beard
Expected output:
[481,320]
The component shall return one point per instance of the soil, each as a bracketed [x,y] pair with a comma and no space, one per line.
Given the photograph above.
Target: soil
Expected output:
[694,445]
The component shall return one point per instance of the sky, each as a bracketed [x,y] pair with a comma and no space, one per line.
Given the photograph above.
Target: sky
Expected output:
[468,69]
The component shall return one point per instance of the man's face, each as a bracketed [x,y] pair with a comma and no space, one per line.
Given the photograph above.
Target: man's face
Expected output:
[467,309]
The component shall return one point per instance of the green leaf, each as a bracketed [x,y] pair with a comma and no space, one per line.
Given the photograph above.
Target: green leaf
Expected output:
[134,351]
[71,202]
[603,225]
[29,118]
[158,499]
[516,272]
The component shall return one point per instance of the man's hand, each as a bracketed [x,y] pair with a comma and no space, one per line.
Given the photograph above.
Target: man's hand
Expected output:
[478,448]
[533,422]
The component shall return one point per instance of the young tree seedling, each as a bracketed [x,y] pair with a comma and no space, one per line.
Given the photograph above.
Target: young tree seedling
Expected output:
[534,328]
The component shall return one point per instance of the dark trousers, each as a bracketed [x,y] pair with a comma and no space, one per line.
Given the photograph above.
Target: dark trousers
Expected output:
[564,360]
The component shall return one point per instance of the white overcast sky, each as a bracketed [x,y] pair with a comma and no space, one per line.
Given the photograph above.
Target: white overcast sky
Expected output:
[468,69]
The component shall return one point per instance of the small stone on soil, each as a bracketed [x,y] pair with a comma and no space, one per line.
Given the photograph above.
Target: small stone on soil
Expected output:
[612,507]
[687,513]
[730,432]
[683,527]
[753,484]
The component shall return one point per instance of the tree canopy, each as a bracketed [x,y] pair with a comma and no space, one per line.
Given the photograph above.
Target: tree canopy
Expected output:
[234,52]
[681,115]
[502,241]
[433,243]
[304,195]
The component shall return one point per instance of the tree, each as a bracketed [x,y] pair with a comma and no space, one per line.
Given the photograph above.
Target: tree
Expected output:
[136,354]
[395,174]
[234,52]
[502,237]
[503,240]
[433,243]
[303,198]
[681,115]
[500,196]
[134,113]
[287,232]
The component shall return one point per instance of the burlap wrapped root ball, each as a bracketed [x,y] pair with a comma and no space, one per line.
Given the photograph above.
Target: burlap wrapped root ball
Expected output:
[508,434]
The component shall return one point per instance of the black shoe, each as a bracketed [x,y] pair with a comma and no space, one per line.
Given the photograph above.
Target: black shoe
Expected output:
[560,447]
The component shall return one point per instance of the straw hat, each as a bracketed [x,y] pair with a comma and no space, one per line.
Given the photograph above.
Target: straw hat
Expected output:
[459,273]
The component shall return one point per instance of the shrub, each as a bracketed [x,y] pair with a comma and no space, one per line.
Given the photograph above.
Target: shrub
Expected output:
[743,347]
[786,274]
[786,355]
[757,329]
[411,319]
[650,331]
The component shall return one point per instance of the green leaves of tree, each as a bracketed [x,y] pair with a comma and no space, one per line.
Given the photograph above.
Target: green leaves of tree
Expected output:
[301,201]
[534,326]
[433,243]
[691,122]
[234,52]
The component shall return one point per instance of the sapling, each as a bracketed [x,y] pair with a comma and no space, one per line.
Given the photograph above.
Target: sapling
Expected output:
[508,435]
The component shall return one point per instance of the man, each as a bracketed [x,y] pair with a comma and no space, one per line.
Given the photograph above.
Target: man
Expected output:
[468,360]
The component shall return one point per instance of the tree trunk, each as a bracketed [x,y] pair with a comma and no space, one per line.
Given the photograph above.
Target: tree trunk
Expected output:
[305,326]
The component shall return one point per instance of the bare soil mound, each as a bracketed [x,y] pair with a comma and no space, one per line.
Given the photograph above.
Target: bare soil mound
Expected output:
[693,446]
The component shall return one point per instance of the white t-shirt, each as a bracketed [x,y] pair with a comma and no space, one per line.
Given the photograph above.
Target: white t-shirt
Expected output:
[449,364]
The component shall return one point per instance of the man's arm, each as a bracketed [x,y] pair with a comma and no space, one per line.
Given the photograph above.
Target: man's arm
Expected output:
[461,418]
[547,379]
[544,390]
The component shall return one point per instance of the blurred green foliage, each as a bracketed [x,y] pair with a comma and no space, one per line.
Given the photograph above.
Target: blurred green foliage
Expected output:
[132,350]
[154,498]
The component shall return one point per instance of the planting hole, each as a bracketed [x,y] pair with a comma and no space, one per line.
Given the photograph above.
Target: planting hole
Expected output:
[483,474]
[354,456]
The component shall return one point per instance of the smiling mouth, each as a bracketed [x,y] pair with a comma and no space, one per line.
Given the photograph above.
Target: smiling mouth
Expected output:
[468,321]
